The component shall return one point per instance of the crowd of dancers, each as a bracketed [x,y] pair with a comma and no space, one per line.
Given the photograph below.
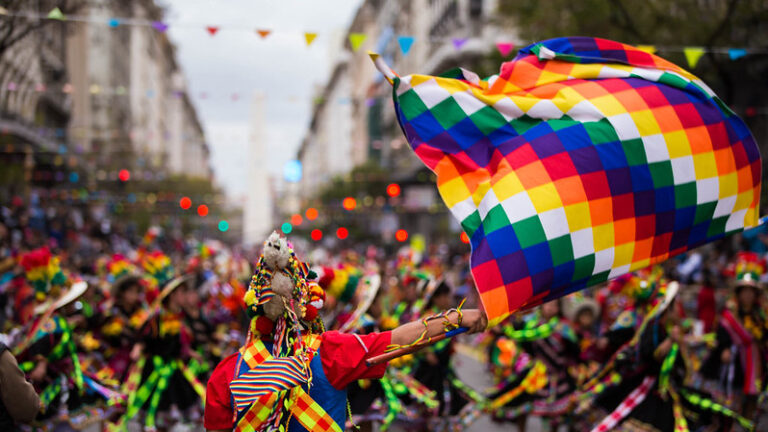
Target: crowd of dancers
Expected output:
[125,334]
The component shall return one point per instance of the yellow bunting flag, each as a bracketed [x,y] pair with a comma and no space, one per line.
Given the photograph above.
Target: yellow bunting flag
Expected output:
[357,39]
[693,54]
[3,11]
[263,33]
[310,37]
[650,49]
[56,14]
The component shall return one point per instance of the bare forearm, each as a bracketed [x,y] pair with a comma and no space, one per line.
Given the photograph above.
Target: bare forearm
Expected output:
[407,333]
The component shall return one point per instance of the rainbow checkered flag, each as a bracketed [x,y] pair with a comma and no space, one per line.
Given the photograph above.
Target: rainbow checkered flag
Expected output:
[583,160]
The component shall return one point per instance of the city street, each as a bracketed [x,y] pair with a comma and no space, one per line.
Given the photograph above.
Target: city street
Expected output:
[472,369]
[246,214]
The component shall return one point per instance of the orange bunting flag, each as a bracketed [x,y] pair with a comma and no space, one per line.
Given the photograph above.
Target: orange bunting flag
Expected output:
[263,33]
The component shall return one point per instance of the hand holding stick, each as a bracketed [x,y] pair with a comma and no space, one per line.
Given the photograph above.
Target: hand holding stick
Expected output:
[472,321]
[383,358]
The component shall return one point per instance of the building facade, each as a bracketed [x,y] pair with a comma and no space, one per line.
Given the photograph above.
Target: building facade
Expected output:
[34,106]
[355,123]
[131,108]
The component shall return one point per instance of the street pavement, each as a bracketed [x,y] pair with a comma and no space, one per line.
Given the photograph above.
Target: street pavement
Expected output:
[471,368]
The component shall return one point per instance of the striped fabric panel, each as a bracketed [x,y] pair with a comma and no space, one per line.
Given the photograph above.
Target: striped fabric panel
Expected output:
[258,390]
[272,376]
[626,406]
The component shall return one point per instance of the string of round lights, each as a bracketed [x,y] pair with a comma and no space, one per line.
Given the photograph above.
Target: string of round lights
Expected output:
[342,233]
[349,203]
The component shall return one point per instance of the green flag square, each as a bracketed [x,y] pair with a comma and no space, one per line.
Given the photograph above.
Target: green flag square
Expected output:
[529,232]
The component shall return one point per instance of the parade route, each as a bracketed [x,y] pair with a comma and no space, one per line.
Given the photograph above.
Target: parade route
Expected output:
[471,368]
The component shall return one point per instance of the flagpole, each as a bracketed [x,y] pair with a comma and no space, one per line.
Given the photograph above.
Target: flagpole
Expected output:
[383,358]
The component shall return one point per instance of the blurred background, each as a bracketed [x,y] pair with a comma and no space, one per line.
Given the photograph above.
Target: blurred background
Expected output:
[226,119]
[178,122]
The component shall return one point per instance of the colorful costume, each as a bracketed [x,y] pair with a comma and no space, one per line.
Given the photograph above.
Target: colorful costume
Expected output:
[119,323]
[542,386]
[744,334]
[645,386]
[161,383]
[50,339]
[289,375]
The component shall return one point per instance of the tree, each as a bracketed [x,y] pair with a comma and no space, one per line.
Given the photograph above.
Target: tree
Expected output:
[673,23]
[17,24]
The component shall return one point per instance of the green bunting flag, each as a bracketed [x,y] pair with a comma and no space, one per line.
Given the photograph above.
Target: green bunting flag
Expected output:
[56,14]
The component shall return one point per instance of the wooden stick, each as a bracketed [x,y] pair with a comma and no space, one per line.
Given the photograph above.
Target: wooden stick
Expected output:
[383,358]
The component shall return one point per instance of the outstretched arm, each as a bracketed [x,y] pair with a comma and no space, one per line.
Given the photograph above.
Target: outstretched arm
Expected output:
[474,319]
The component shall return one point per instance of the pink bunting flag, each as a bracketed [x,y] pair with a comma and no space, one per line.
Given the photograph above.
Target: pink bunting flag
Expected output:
[505,48]
[212,30]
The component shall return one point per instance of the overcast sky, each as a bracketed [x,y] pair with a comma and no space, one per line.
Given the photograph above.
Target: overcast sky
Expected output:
[238,61]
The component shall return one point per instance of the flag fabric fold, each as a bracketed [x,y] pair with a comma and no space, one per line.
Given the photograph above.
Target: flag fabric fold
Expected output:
[582,160]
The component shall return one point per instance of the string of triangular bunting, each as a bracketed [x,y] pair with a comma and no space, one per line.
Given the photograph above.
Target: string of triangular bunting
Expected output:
[356,40]
[239,96]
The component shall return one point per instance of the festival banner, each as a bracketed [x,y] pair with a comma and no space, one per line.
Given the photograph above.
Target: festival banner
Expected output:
[583,160]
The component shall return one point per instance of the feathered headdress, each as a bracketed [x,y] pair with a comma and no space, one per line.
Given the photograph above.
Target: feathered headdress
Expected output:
[158,267]
[119,267]
[748,268]
[340,283]
[43,272]
[645,283]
